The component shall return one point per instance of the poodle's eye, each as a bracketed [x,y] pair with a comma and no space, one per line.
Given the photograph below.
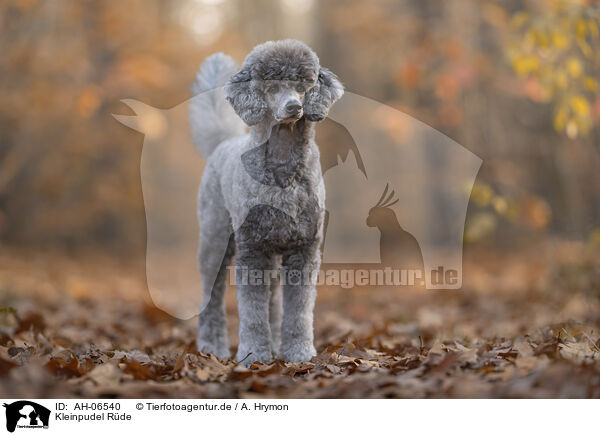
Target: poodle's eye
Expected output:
[300,89]
[273,88]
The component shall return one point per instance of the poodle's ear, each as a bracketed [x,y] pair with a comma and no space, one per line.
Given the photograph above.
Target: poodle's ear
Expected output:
[246,97]
[321,97]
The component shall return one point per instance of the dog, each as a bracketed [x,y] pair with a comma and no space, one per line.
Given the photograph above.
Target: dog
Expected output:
[262,196]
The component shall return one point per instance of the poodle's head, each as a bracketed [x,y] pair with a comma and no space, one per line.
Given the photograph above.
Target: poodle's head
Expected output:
[282,80]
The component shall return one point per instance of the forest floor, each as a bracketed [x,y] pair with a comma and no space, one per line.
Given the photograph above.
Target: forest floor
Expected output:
[523,325]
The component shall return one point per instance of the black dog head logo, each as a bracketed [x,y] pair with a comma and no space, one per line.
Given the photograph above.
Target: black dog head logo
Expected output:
[26,413]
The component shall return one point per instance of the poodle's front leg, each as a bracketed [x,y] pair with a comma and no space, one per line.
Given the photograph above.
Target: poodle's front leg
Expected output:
[275,315]
[299,294]
[253,292]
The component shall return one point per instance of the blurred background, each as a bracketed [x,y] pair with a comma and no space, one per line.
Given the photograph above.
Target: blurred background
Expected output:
[515,82]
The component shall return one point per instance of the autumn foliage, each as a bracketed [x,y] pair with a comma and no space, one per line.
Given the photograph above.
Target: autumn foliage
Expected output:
[514,81]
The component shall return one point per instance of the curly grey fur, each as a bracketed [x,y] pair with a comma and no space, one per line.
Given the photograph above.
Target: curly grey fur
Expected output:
[266,189]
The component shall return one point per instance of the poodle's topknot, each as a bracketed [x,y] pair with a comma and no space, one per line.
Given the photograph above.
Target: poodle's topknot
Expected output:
[288,59]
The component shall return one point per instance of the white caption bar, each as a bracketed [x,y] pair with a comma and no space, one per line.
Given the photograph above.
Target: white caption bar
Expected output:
[284,417]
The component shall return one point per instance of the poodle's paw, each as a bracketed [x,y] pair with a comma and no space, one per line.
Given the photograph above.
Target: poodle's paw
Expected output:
[247,356]
[303,351]
[220,350]
[212,337]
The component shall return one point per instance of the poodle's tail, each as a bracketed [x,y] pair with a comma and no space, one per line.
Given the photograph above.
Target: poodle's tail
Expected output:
[212,119]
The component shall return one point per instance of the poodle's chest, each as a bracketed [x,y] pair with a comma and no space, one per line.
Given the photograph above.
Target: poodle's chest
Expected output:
[283,222]
[303,192]
[270,229]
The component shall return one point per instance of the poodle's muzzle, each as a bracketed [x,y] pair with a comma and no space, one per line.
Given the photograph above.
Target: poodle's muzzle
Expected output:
[285,99]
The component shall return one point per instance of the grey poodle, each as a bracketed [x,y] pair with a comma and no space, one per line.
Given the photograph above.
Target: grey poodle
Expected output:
[262,196]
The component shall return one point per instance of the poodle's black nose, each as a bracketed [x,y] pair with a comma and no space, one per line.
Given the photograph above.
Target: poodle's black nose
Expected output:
[293,108]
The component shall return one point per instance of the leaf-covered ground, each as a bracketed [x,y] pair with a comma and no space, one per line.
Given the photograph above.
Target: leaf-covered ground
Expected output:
[525,325]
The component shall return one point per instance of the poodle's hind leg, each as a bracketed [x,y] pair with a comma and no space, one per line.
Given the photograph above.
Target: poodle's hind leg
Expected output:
[275,309]
[212,322]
